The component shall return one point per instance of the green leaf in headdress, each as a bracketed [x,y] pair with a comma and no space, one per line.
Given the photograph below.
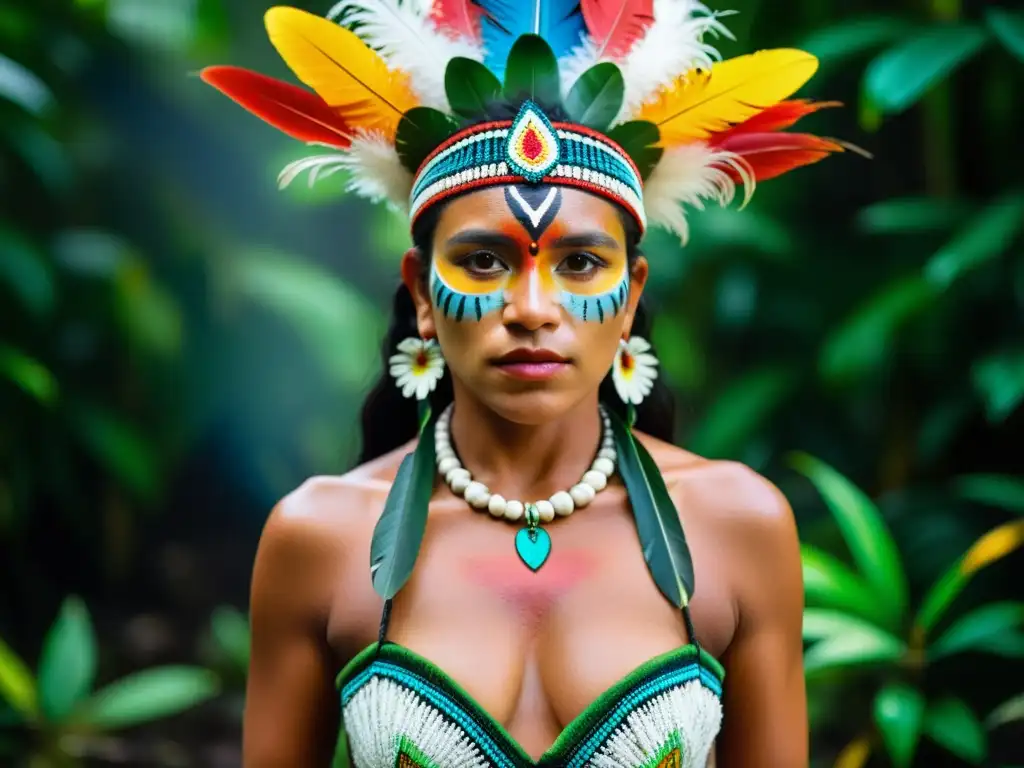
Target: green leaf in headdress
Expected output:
[470,86]
[532,72]
[638,138]
[420,131]
[596,97]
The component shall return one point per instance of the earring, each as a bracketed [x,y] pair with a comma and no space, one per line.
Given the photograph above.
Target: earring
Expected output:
[634,370]
[417,367]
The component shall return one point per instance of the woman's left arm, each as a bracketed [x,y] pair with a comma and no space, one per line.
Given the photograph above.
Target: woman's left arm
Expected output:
[765,700]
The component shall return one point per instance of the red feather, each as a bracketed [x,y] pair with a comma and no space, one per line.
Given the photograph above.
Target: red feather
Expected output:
[299,113]
[457,17]
[615,25]
[772,154]
[775,118]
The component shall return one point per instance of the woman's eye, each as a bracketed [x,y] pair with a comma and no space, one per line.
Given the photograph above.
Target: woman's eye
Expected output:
[482,262]
[579,264]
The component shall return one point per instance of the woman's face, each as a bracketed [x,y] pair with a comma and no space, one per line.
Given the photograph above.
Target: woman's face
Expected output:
[528,293]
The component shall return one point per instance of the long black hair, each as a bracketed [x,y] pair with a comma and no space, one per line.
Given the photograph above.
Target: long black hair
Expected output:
[389,420]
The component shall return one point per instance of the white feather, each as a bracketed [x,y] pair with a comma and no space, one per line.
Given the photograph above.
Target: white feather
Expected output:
[405,36]
[672,45]
[376,171]
[689,175]
[374,168]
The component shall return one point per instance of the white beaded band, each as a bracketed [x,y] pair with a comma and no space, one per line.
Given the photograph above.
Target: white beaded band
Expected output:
[561,504]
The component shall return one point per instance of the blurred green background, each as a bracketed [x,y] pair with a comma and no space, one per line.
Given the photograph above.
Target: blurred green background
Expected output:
[181,344]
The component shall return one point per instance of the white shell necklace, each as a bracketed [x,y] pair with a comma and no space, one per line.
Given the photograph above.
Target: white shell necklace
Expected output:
[532,542]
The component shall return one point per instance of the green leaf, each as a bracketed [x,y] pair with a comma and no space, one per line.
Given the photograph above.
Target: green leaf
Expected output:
[532,72]
[863,645]
[951,723]
[898,712]
[657,519]
[67,666]
[149,316]
[911,215]
[29,374]
[831,584]
[740,410]
[837,43]
[48,158]
[166,25]
[24,88]
[149,695]
[820,623]
[121,449]
[1008,27]
[320,307]
[901,75]
[979,630]
[1007,712]
[865,533]
[638,139]
[984,238]
[470,86]
[999,380]
[420,131]
[26,271]
[747,229]
[230,630]
[1003,491]
[862,342]
[399,530]
[992,546]
[595,99]
[17,687]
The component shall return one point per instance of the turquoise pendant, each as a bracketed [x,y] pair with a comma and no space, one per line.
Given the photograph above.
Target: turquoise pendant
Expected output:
[533,544]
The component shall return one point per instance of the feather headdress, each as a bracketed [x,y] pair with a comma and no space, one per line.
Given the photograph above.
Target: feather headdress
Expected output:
[401,90]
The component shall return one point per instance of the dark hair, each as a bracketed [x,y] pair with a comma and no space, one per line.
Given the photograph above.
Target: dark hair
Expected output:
[388,420]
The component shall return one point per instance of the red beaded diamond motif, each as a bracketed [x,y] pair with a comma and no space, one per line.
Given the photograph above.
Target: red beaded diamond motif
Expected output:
[532,143]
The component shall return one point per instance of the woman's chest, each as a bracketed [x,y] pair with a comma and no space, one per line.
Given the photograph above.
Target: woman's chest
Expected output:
[535,650]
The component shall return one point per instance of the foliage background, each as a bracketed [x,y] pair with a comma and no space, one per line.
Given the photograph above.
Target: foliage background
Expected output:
[181,343]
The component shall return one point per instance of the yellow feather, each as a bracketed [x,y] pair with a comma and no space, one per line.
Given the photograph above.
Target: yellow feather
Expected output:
[700,103]
[341,68]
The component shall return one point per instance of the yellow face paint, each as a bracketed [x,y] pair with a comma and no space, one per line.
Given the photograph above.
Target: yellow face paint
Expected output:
[533,254]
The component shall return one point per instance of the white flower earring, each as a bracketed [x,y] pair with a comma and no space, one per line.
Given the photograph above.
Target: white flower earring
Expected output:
[417,367]
[634,370]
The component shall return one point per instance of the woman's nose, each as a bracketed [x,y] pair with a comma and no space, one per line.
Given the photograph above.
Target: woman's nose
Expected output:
[530,303]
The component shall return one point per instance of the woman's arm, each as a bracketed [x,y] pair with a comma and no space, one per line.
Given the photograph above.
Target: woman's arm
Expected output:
[291,710]
[765,701]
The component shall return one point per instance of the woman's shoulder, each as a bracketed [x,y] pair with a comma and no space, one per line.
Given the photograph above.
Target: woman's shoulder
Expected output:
[327,516]
[726,495]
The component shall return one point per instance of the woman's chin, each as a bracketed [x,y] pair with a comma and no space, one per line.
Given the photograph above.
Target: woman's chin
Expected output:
[534,407]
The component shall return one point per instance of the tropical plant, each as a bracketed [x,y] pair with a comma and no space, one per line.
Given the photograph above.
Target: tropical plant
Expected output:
[58,716]
[863,617]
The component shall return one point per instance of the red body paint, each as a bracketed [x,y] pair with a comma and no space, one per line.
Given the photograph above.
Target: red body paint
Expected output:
[530,593]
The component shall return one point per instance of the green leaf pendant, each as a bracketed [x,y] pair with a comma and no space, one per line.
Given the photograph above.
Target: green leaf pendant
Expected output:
[533,544]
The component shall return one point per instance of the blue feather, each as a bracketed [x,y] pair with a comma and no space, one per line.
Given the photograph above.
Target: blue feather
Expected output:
[559,22]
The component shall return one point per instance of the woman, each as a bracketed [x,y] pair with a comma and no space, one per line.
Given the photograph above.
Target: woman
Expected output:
[530,597]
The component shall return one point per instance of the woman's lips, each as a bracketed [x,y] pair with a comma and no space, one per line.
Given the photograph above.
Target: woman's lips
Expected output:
[532,371]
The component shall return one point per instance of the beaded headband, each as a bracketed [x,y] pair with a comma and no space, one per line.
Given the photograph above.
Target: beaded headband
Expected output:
[529,149]
[657,123]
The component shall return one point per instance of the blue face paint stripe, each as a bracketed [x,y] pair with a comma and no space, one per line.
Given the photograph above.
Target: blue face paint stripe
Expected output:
[585,307]
[464,306]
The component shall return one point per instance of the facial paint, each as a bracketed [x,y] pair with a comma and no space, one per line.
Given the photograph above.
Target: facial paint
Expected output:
[463,305]
[460,296]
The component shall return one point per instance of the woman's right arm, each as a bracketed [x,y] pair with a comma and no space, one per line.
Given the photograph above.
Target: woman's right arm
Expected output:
[291,709]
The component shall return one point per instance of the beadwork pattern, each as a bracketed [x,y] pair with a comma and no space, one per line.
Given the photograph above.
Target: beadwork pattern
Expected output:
[397,706]
[529,149]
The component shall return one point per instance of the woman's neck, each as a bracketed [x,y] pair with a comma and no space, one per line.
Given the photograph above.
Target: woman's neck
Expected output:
[527,462]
